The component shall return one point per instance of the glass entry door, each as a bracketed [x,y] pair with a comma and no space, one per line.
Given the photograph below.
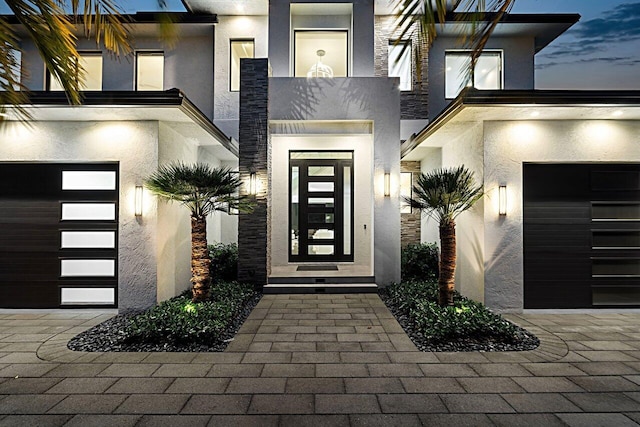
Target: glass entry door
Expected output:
[321,206]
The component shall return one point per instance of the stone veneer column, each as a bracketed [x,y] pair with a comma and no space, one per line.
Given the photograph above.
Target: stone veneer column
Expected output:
[410,223]
[254,157]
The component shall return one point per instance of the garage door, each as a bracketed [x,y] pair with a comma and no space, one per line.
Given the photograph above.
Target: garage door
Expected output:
[58,235]
[581,235]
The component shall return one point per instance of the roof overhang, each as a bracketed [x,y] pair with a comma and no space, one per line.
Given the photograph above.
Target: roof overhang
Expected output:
[476,106]
[544,28]
[170,106]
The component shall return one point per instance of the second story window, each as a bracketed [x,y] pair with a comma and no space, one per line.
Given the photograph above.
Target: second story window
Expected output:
[239,49]
[487,74]
[400,63]
[321,53]
[149,71]
[92,65]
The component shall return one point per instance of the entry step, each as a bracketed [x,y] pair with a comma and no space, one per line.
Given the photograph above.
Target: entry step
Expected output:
[321,280]
[308,288]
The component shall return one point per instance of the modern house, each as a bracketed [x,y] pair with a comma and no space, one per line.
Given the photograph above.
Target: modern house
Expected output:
[326,120]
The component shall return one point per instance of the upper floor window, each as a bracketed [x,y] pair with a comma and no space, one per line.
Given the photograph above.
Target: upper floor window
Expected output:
[321,53]
[487,74]
[239,49]
[400,64]
[149,71]
[92,65]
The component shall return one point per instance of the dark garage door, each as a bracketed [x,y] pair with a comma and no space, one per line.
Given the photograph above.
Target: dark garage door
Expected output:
[581,235]
[58,235]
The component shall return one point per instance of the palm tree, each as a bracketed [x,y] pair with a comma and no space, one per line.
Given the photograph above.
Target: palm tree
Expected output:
[443,194]
[421,18]
[204,190]
[52,31]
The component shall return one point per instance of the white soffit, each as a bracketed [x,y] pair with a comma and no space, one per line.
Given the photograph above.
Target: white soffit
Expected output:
[261,7]
[471,115]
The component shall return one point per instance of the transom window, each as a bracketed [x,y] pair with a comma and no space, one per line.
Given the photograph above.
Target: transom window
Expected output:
[487,74]
[91,62]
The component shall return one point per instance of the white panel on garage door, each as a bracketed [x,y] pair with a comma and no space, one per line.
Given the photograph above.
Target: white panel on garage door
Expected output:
[88,180]
[87,267]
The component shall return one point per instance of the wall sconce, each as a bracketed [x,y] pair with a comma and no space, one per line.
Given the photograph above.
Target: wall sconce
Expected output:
[138,202]
[502,200]
[387,184]
[253,184]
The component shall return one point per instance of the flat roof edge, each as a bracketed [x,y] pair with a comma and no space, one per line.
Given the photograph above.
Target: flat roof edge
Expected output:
[535,97]
[146,18]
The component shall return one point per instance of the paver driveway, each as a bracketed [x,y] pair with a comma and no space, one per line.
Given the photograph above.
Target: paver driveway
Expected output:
[322,360]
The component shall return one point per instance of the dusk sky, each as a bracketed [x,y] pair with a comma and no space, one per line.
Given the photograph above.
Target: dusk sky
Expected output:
[602,51]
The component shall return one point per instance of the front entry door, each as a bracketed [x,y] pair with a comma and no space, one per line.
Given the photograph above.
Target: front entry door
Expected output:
[321,206]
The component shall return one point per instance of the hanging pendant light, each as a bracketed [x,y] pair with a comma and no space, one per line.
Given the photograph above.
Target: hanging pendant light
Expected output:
[319,69]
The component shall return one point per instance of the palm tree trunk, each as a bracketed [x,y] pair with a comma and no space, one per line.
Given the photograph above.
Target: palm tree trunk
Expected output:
[446,281]
[200,261]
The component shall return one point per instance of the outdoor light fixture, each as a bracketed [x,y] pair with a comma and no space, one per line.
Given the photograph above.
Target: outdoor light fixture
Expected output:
[387,184]
[253,190]
[502,200]
[138,203]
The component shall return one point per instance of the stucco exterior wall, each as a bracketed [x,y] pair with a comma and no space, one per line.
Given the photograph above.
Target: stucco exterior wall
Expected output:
[467,150]
[356,99]
[188,66]
[518,66]
[132,144]
[429,227]
[506,146]
[226,103]
[174,223]
[362,36]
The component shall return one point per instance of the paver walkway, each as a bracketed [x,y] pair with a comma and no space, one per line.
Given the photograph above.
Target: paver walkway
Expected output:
[322,360]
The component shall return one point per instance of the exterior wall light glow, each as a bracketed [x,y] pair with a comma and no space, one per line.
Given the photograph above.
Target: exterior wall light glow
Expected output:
[138,203]
[253,184]
[502,200]
[387,184]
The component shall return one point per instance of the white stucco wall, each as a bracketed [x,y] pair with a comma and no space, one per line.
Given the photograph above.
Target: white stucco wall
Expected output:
[507,145]
[227,103]
[467,150]
[134,146]
[174,223]
[429,227]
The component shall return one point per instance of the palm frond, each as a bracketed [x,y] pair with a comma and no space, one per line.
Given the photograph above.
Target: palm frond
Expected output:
[12,91]
[52,33]
[201,188]
[421,18]
[445,193]
[103,21]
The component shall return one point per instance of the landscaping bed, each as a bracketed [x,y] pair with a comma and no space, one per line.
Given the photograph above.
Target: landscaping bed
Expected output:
[176,324]
[466,326]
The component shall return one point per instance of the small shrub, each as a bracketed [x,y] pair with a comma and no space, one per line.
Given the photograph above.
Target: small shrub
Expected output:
[224,262]
[420,261]
[179,321]
[418,300]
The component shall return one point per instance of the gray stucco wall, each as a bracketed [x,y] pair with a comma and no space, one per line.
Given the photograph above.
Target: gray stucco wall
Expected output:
[362,36]
[361,99]
[135,146]
[188,66]
[227,103]
[518,66]
[506,146]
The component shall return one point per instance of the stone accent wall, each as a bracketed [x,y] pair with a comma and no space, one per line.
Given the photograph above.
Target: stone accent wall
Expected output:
[413,104]
[254,157]
[410,222]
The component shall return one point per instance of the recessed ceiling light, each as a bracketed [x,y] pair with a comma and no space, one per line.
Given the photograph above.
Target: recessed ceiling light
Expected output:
[617,113]
[535,113]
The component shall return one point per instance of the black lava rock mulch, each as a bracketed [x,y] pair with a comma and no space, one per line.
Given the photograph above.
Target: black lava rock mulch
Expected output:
[524,341]
[110,336]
